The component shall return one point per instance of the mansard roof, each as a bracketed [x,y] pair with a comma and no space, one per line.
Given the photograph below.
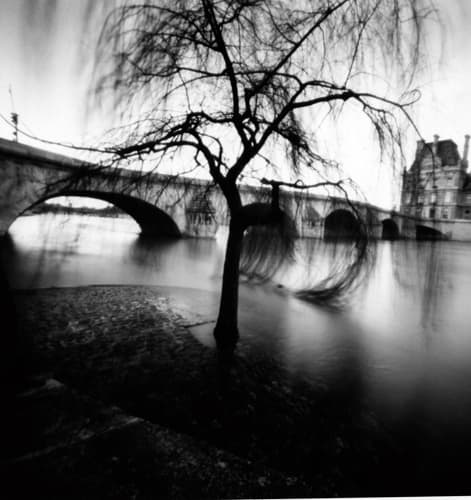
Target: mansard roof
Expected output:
[447,151]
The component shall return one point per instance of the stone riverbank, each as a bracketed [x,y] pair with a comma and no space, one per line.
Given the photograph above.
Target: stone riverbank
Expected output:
[121,401]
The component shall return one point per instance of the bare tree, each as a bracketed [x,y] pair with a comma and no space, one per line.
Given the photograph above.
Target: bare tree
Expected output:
[232,83]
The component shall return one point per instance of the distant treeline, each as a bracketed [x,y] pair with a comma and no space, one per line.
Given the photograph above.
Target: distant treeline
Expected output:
[43,208]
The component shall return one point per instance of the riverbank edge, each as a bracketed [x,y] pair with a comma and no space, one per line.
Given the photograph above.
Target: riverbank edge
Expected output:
[191,468]
[125,347]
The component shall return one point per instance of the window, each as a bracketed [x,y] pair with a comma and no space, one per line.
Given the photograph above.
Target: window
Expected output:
[431,213]
[444,213]
[448,197]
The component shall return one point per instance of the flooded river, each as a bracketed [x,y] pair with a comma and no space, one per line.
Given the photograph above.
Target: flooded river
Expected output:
[404,336]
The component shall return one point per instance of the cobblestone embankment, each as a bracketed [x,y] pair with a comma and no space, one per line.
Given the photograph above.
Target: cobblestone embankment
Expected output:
[123,387]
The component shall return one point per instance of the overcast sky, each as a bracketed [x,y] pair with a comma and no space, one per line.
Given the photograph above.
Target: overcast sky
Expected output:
[44,80]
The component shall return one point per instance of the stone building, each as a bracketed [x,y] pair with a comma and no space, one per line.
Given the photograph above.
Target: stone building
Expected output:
[438,185]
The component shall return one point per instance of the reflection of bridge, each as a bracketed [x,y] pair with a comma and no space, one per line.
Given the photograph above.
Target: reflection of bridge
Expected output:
[166,205]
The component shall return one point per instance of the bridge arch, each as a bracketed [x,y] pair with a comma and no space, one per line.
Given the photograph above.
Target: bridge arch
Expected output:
[341,224]
[428,233]
[390,230]
[152,220]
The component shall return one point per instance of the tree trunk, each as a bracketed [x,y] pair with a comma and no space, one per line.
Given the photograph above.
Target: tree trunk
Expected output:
[226,331]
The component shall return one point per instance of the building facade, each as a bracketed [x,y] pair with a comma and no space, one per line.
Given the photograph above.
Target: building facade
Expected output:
[438,184]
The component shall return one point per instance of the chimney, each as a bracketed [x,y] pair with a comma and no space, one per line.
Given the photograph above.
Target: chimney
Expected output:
[466,147]
[435,144]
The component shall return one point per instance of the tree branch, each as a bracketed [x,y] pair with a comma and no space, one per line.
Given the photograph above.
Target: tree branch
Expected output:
[229,67]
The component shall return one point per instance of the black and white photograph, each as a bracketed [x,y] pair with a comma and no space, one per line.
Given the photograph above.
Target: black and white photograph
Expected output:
[235,249]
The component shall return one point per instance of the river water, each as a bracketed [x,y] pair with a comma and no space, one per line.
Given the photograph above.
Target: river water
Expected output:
[404,336]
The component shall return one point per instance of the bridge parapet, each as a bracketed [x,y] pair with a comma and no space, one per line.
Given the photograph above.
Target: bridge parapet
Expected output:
[161,204]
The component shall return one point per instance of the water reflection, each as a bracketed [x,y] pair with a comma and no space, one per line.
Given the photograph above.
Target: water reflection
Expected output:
[403,343]
[425,272]
[187,263]
[433,282]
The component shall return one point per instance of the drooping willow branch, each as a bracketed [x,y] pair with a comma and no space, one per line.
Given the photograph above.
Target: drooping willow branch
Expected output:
[269,246]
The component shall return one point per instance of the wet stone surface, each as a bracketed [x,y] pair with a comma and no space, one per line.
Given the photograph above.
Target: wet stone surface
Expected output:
[128,404]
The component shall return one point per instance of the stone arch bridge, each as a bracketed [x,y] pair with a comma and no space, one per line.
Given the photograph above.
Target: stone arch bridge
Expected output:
[166,205]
